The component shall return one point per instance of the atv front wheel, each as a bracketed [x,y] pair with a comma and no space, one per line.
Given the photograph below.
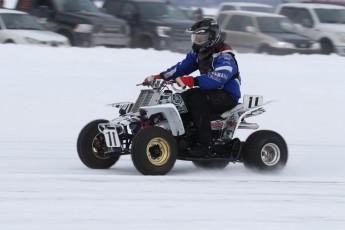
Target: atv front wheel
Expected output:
[154,151]
[265,150]
[92,148]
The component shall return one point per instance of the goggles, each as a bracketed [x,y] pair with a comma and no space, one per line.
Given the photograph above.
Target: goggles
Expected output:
[199,39]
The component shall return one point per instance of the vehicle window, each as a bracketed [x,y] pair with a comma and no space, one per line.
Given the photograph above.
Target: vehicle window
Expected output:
[239,23]
[20,21]
[76,6]
[159,10]
[113,7]
[227,8]
[24,4]
[43,8]
[331,15]
[276,25]
[247,21]
[46,3]
[289,12]
[188,12]
[303,17]
[128,9]
[221,18]
[258,9]
[298,16]
[234,23]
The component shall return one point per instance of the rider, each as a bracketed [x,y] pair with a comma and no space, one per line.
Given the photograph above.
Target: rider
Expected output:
[218,85]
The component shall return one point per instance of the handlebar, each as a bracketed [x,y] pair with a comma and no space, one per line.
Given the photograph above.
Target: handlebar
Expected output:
[161,84]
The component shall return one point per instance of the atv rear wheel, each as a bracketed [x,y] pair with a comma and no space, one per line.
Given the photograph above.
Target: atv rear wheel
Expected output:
[265,150]
[154,151]
[92,148]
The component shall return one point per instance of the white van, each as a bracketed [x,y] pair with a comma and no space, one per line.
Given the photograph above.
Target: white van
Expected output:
[322,22]
[246,6]
[257,32]
[242,6]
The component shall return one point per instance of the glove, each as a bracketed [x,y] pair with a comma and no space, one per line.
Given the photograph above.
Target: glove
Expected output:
[185,81]
[153,78]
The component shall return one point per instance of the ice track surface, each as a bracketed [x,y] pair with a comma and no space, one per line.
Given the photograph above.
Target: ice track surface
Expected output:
[47,95]
[55,191]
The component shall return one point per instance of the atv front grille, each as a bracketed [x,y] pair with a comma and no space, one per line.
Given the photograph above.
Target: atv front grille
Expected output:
[143,99]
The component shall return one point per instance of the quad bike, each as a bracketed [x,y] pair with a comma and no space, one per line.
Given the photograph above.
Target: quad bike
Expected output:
[156,131]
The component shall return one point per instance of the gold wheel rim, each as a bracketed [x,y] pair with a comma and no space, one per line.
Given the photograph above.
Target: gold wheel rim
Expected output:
[98,144]
[158,151]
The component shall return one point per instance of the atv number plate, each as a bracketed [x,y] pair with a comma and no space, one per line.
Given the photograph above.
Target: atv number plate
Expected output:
[111,138]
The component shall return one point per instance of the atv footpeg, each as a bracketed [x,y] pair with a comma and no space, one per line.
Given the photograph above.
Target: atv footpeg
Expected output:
[230,150]
[236,148]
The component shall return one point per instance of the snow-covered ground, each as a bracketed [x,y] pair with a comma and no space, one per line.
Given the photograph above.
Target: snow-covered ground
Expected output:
[47,95]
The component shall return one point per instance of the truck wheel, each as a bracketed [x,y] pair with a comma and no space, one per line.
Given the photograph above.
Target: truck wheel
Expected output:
[154,151]
[69,36]
[144,42]
[91,147]
[326,47]
[9,42]
[264,49]
[265,150]
[211,164]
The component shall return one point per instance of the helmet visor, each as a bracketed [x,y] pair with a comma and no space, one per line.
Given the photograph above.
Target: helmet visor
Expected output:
[199,39]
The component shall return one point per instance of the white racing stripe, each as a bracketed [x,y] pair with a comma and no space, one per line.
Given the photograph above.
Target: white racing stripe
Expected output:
[229,68]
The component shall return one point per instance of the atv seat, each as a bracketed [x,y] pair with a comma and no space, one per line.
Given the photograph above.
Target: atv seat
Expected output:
[249,101]
[238,107]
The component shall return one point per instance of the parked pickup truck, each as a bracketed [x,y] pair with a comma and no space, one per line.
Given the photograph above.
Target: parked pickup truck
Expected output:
[154,24]
[322,22]
[79,20]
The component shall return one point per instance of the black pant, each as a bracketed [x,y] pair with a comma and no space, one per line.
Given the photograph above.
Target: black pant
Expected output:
[201,104]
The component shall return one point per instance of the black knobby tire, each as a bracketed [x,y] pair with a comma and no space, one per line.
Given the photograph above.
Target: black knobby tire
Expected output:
[154,151]
[91,146]
[265,150]
[211,164]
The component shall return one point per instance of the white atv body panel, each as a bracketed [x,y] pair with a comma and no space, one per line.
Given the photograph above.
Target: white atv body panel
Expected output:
[171,114]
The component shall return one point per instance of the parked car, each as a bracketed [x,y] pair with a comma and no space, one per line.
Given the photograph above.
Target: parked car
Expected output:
[20,28]
[245,6]
[333,2]
[154,24]
[79,20]
[322,22]
[258,32]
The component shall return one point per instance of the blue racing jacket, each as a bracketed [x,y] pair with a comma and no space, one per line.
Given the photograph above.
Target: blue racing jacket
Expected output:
[224,73]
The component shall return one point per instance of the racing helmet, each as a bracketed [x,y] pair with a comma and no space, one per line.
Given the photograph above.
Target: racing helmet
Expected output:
[205,34]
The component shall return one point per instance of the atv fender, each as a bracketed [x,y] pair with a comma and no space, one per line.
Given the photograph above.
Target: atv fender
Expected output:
[171,114]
